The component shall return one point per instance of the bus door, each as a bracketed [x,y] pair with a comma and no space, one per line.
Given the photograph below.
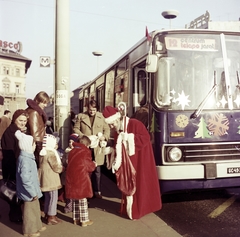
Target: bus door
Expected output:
[140,95]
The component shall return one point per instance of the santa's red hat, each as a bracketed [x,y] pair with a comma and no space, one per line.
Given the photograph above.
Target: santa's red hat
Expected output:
[111,114]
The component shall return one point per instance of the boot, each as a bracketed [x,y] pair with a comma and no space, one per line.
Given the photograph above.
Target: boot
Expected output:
[45,218]
[53,220]
[76,222]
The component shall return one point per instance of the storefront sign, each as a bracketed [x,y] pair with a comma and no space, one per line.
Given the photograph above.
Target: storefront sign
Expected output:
[17,47]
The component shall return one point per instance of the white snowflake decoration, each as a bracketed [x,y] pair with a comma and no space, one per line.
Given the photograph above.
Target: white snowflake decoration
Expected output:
[183,100]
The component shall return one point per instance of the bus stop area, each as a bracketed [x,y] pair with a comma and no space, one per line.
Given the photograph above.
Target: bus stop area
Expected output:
[105,214]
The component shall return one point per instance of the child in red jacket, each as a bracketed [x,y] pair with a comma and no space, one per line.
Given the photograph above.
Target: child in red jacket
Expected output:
[78,185]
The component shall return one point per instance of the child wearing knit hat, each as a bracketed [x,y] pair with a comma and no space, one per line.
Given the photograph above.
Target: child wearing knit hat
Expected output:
[28,188]
[50,166]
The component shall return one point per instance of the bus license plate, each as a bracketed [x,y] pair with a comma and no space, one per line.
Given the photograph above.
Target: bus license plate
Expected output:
[233,170]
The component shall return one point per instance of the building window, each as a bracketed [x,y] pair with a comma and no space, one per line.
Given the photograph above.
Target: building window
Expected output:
[17,72]
[17,89]
[6,70]
[6,87]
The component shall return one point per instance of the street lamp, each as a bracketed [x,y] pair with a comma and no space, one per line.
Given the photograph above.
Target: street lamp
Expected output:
[170,14]
[97,54]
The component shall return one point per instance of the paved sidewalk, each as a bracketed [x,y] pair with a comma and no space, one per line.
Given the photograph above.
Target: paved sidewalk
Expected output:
[107,221]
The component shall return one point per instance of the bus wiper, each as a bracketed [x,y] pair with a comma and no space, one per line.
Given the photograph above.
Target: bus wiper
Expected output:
[200,107]
[238,85]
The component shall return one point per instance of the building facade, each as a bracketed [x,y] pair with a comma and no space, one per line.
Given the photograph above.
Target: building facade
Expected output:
[13,70]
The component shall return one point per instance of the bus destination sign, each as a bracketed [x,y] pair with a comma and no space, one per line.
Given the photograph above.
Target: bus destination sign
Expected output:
[197,44]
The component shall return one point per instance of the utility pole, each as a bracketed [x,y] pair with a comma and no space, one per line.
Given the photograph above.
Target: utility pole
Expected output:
[62,72]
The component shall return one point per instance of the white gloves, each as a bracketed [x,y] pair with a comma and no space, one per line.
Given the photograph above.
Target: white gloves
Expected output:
[103,144]
[124,136]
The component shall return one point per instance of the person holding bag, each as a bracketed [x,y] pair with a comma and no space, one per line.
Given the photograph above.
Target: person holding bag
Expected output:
[134,164]
[11,151]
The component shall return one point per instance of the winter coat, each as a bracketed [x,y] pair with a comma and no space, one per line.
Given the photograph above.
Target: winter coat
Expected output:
[49,170]
[36,121]
[27,177]
[80,165]
[83,127]
[36,125]
[11,151]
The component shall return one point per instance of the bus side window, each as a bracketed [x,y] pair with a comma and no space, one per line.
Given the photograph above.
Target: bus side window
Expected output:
[142,113]
[141,87]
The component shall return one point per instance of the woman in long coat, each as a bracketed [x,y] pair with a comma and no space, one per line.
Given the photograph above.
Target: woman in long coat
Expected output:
[11,151]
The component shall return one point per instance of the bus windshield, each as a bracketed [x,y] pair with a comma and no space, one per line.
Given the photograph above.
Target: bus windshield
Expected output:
[197,67]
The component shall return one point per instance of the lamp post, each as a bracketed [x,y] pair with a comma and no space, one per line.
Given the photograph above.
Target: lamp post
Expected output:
[97,54]
[170,14]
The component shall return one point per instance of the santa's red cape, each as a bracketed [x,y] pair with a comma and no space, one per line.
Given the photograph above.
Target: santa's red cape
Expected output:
[147,197]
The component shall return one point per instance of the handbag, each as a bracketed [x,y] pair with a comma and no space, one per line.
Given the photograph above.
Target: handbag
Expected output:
[8,190]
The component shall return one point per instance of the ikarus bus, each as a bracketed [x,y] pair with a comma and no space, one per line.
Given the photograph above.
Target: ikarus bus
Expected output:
[184,86]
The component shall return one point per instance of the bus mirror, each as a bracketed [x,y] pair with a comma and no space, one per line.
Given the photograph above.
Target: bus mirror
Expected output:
[151,63]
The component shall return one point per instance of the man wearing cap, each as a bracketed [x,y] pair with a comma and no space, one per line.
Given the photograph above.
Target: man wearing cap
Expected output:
[90,123]
[134,164]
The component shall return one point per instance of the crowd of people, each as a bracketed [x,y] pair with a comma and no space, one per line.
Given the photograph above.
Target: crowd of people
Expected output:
[31,157]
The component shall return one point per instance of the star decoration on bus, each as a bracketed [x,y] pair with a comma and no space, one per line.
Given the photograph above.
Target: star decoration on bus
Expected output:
[223,102]
[183,100]
[172,92]
[237,100]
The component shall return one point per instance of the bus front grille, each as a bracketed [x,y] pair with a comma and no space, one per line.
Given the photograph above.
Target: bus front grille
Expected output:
[211,152]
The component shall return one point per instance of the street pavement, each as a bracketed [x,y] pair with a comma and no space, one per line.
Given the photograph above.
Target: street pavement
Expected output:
[107,221]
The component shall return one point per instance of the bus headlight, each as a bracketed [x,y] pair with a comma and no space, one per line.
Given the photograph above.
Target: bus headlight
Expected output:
[175,154]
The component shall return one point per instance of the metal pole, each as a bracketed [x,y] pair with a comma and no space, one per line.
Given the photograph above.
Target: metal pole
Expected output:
[62,72]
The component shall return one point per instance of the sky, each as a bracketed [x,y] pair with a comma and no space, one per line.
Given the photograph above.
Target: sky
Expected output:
[109,26]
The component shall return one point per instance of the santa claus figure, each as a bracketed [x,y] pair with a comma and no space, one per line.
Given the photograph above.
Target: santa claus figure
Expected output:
[134,164]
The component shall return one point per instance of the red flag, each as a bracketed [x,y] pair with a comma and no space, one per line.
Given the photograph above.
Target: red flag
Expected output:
[147,34]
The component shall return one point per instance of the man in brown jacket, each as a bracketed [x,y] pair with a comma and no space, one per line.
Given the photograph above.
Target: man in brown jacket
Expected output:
[90,123]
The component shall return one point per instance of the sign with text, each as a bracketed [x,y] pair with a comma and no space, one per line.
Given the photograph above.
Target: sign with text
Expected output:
[62,97]
[17,47]
[191,43]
